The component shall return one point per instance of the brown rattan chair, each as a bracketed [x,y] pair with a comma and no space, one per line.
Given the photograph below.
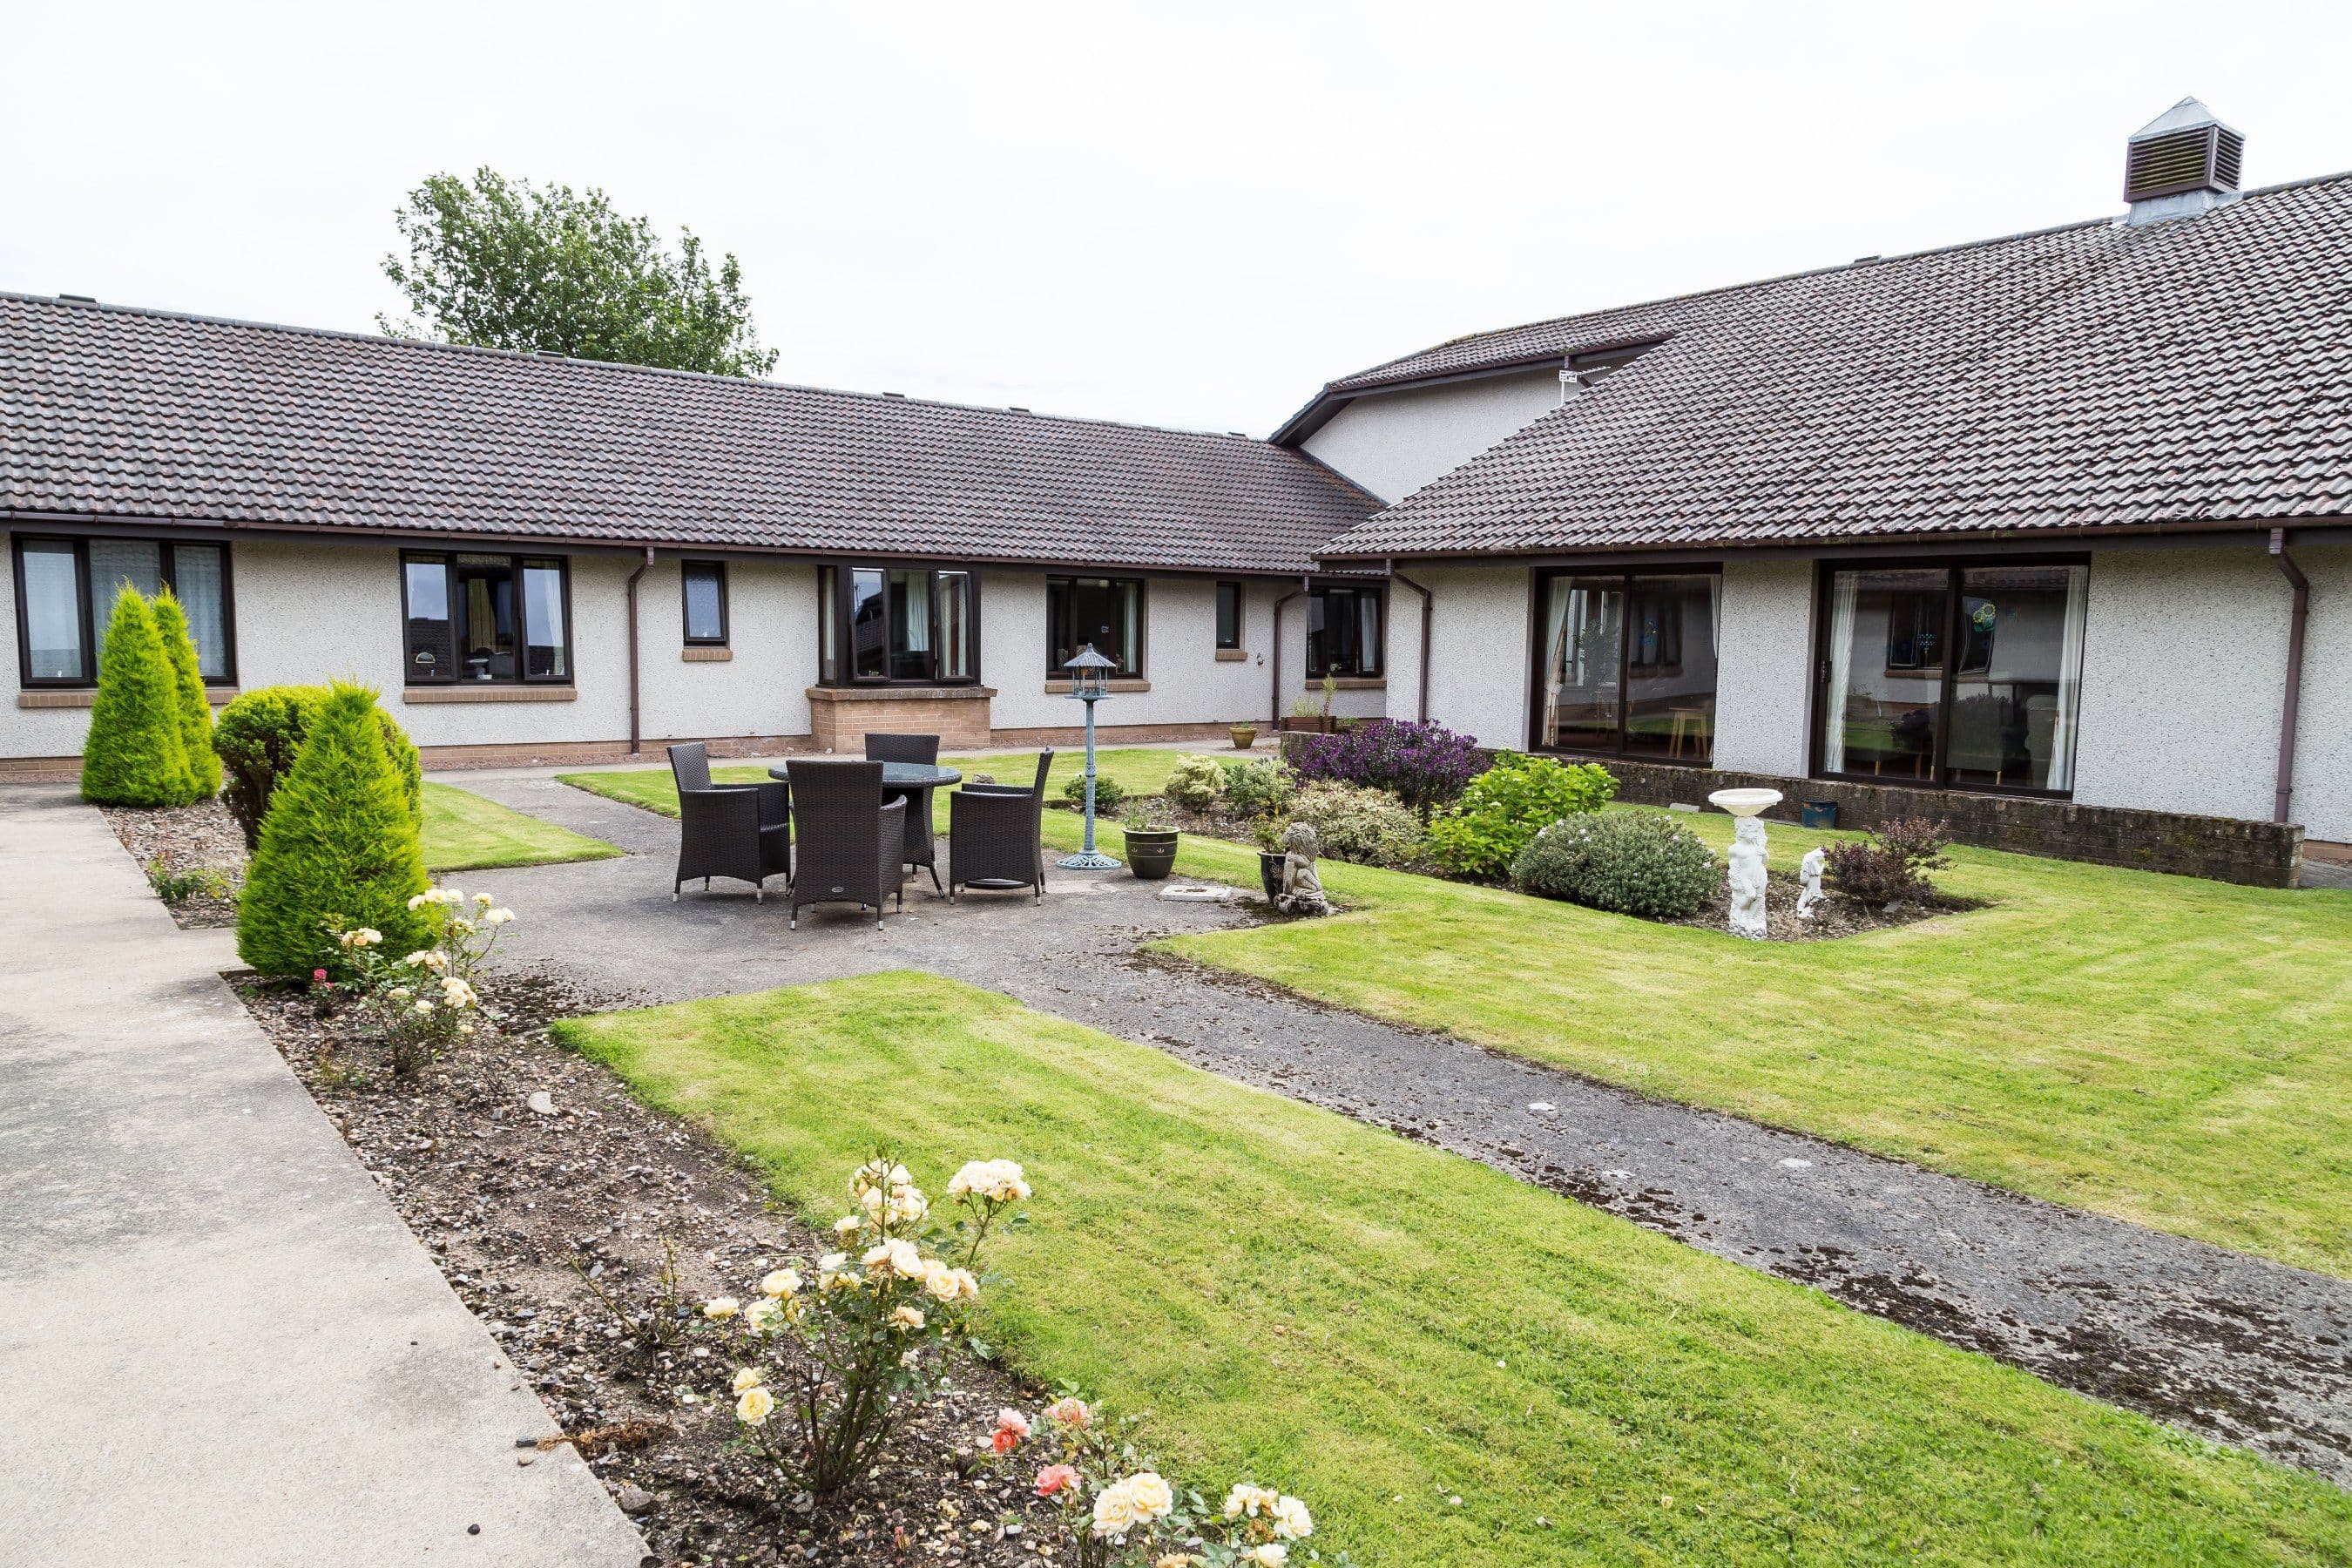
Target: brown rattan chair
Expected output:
[743,831]
[923,749]
[852,845]
[996,836]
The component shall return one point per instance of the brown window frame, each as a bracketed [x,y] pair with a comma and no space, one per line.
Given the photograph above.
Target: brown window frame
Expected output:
[686,570]
[1316,668]
[1624,578]
[837,665]
[167,568]
[1240,611]
[515,564]
[1059,636]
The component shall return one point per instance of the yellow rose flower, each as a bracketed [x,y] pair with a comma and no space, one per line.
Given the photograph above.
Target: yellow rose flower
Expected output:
[781,1282]
[754,1407]
[746,1377]
[1290,1519]
[1151,1496]
[721,1306]
[907,1318]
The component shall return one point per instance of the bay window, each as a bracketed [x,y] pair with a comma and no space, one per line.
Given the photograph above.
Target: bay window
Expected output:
[1344,631]
[1627,663]
[1966,674]
[64,596]
[1102,613]
[906,625]
[476,617]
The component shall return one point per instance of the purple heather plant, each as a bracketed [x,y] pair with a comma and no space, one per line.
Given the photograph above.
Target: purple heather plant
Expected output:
[1425,764]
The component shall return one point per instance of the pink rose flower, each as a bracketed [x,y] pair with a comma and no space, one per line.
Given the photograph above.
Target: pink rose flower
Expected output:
[1055,1477]
[318,976]
[1013,1421]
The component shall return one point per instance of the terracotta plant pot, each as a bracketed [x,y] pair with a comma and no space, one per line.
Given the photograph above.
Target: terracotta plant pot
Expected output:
[1152,853]
[1244,736]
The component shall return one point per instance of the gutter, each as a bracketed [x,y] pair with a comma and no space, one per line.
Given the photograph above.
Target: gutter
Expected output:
[1428,602]
[637,743]
[2298,620]
[1276,693]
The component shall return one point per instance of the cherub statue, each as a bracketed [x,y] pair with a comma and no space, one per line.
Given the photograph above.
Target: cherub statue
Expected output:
[1302,890]
[1809,872]
[1747,878]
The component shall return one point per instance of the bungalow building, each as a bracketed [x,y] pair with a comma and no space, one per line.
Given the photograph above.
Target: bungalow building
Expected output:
[2047,535]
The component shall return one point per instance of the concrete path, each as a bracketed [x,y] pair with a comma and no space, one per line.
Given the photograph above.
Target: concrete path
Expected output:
[2225,1345]
[218,1345]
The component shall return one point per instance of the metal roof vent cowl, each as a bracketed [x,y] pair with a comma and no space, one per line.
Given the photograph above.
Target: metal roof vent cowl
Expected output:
[2183,163]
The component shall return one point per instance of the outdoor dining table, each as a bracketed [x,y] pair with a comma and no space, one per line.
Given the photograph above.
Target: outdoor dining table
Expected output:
[915,782]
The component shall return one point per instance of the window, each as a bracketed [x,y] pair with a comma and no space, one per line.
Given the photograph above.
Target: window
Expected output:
[486,618]
[1627,663]
[1102,613]
[705,587]
[1229,615]
[1343,631]
[64,596]
[909,626]
[1967,675]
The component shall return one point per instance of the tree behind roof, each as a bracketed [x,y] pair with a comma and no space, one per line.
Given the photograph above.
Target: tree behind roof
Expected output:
[195,711]
[505,264]
[135,754]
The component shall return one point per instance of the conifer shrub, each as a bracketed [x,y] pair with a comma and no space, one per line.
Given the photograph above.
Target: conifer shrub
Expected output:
[135,755]
[188,685]
[260,733]
[340,845]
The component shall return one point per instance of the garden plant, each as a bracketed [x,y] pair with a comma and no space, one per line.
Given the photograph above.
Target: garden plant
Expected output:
[259,735]
[136,753]
[1627,862]
[1353,822]
[1424,764]
[424,1003]
[1891,864]
[1509,804]
[195,710]
[1259,788]
[1195,782]
[1109,793]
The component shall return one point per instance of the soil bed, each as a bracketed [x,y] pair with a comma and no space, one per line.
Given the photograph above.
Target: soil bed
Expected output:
[506,1199]
[202,840]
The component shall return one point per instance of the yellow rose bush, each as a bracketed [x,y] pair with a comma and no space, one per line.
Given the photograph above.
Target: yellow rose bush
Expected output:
[873,1322]
[424,1003]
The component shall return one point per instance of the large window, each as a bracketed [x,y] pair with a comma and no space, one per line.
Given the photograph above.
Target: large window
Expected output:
[704,584]
[1343,631]
[905,625]
[486,618]
[1966,675]
[1102,613]
[1627,663]
[64,596]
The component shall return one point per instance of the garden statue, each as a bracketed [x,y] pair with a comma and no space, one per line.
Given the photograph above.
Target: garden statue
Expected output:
[1809,872]
[1302,890]
[1747,878]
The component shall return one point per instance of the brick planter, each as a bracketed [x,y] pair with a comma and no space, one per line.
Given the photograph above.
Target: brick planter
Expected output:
[840,716]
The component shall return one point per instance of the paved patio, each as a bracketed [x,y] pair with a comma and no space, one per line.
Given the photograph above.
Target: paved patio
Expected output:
[217,1342]
[2230,1346]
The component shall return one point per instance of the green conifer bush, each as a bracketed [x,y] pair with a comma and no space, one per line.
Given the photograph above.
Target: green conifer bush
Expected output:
[135,755]
[340,840]
[262,733]
[188,683]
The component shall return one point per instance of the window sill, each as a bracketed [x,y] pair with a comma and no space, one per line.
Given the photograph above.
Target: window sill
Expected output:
[1062,688]
[1351,683]
[706,654]
[86,696]
[1232,656]
[490,691]
[901,693]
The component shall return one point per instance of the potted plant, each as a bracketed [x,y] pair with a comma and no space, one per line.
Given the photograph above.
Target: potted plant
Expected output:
[1244,735]
[1268,831]
[1150,844]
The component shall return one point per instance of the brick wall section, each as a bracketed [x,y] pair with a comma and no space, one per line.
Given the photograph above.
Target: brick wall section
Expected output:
[840,718]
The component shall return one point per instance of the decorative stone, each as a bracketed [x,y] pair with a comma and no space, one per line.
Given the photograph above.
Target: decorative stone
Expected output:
[1809,871]
[542,1102]
[634,1500]
[1302,889]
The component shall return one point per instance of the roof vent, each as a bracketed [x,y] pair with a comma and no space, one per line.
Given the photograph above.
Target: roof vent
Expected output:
[80,298]
[2183,163]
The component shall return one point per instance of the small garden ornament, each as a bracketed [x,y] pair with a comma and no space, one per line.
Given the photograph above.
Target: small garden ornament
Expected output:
[1809,871]
[1302,890]
[1746,857]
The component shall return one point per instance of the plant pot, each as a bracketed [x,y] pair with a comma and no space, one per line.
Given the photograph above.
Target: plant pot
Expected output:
[1152,853]
[1818,814]
[1244,736]
[1269,874]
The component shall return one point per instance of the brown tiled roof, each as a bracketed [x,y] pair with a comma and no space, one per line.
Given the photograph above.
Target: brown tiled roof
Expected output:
[110,411]
[2197,371]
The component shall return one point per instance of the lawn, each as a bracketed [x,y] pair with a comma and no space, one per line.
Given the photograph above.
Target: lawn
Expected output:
[465,832]
[1140,770]
[1453,1367]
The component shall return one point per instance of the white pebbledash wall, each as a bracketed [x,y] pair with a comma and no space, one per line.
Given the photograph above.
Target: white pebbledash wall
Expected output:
[1188,683]
[1392,443]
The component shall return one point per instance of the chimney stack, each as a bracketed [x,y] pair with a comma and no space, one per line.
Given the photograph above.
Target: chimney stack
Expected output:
[2183,163]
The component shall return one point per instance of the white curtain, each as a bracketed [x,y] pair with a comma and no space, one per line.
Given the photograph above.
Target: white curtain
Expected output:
[196,579]
[2070,680]
[1845,596]
[1714,614]
[1555,656]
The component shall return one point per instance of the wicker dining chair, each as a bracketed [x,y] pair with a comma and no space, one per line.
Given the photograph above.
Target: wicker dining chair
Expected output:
[996,836]
[743,831]
[924,748]
[852,845]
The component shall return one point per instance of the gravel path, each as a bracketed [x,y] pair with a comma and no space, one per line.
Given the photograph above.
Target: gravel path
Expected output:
[2219,1343]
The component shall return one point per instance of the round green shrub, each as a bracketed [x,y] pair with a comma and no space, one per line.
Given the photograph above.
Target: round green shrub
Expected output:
[1109,793]
[1195,781]
[259,735]
[135,755]
[1629,862]
[1354,822]
[194,708]
[1509,804]
[1259,787]
[340,840]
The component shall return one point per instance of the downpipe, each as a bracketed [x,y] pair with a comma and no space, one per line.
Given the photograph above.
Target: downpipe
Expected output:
[636,737]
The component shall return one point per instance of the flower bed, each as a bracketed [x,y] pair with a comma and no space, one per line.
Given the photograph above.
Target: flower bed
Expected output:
[193,857]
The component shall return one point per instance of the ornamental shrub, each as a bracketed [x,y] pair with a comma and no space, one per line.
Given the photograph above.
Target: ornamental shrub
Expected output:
[1509,804]
[1194,781]
[1259,787]
[1424,764]
[135,755]
[1889,866]
[260,733]
[1109,793]
[194,708]
[1627,862]
[339,848]
[1368,827]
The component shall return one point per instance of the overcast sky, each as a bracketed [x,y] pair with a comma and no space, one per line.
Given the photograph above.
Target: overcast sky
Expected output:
[1188,215]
